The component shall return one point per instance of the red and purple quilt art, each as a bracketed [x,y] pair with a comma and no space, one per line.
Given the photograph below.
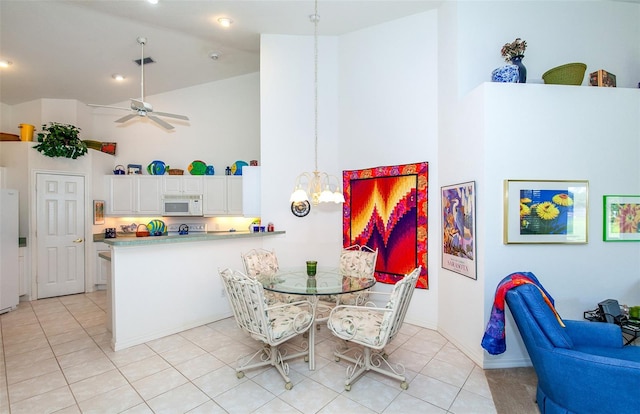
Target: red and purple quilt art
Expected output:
[386,209]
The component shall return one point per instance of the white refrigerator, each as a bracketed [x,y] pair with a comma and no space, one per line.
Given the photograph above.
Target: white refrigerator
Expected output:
[9,278]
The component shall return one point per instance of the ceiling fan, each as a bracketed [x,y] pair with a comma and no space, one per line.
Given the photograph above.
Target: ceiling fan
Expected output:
[139,106]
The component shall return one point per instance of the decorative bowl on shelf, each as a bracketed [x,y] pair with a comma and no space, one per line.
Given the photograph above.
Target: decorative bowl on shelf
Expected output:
[569,74]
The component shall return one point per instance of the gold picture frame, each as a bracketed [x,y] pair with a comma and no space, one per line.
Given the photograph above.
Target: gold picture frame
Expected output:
[98,211]
[546,211]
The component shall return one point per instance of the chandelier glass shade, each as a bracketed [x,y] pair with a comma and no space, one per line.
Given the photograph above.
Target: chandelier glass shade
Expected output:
[316,187]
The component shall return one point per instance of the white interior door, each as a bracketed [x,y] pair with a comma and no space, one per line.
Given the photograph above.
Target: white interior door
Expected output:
[60,234]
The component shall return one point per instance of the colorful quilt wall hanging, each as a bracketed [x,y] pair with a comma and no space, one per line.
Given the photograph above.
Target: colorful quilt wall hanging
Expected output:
[386,209]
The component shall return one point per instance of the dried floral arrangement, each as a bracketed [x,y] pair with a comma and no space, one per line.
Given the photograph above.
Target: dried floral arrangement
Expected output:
[513,49]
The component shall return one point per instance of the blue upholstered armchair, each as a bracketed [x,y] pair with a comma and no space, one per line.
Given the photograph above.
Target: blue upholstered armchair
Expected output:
[582,368]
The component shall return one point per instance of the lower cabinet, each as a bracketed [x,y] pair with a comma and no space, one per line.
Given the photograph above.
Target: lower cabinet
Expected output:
[102,266]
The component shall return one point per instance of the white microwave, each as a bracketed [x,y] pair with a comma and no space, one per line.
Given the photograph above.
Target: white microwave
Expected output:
[182,205]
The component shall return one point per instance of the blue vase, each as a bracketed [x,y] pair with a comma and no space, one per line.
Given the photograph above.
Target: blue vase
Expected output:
[506,74]
[522,71]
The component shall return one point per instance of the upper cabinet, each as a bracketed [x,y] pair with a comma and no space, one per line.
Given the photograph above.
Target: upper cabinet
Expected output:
[251,191]
[131,195]
[141,195]
[222,195]
[182,184]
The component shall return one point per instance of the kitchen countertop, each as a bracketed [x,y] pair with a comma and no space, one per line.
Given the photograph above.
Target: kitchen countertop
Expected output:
[130,239]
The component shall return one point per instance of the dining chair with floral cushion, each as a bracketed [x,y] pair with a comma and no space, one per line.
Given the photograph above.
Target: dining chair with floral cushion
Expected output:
[260,264]
[355,261]
[368,329]
[274,326]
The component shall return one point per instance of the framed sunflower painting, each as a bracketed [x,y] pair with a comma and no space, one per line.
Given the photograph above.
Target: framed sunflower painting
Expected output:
[621,218]
[548,211]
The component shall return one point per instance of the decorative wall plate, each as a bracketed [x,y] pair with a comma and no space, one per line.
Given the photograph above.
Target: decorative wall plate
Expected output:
[300,208]
[197,168]
[156,168]
[236,167]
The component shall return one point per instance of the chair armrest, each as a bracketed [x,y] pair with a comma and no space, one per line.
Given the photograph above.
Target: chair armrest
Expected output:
[594,333]
[590,383]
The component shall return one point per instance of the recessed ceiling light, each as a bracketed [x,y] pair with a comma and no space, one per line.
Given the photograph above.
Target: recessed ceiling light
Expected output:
[5,63]
[152,1]
[117,77]
[214,55]
[225,21]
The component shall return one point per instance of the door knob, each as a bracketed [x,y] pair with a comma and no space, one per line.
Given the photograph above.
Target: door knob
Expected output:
[78,240]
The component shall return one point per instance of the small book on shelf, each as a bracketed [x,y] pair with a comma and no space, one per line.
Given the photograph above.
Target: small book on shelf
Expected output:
[602,78]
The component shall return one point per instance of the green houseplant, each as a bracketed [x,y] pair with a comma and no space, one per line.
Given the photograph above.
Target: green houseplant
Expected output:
[60,140]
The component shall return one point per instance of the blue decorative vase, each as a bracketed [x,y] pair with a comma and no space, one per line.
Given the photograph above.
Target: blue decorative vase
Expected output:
[505,74]
[522,71]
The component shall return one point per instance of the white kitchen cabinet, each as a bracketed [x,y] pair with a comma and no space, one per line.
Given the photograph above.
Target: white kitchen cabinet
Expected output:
[222,195]
[131,195]
[102,266]
[251,191]
[234,195]
[182,184]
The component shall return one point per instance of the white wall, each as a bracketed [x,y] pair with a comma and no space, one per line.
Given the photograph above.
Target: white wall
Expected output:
[389,116]
[5,119]
[287,143]
[223,126]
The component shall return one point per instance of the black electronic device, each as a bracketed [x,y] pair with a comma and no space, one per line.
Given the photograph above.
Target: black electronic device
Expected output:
[610,311]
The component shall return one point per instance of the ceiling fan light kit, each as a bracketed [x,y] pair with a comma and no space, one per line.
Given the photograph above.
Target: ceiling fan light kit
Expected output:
[139,106]
[225,21]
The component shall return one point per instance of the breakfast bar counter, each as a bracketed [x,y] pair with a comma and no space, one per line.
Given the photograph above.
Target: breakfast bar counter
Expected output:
[162,285]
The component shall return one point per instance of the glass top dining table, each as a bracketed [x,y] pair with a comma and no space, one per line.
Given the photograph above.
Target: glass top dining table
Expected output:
[327,281]
[330,281]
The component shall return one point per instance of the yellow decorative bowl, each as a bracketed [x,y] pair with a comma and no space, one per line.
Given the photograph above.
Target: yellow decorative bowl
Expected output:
[569,74]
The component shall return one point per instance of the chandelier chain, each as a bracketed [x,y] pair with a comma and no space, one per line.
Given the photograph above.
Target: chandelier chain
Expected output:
[316,18]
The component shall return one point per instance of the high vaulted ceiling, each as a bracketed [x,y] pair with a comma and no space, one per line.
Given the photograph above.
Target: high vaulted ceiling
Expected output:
[70,49]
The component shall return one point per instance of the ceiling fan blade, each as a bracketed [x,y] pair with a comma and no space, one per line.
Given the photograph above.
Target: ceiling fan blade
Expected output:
[126,118]
[160,122]
[186,118]
[108,106]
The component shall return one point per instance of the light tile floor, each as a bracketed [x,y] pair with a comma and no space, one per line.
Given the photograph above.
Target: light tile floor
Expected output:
[56,358]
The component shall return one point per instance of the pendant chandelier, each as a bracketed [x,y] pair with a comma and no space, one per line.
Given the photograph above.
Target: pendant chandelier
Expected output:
[316,187]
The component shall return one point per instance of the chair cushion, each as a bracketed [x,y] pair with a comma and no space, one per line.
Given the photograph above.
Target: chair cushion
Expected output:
[359,324]
[357,263]
[286,321]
